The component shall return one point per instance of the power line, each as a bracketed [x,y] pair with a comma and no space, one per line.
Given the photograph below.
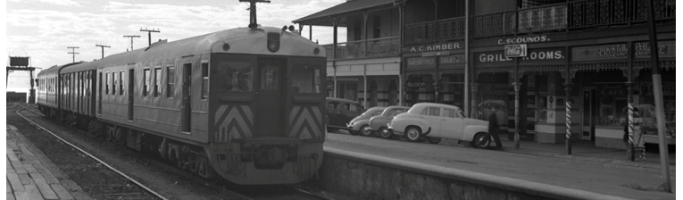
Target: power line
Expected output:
[131,39]
[149,33]
[102,46]
[73,52]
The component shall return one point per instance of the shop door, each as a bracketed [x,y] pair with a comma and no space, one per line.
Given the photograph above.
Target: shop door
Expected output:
[587,114]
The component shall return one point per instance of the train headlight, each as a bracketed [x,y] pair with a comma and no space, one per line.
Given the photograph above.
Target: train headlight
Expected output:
[316,51]
[273,42]
[226,47]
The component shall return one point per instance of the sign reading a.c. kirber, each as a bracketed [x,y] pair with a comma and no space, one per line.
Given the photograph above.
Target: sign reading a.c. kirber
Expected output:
[515,50]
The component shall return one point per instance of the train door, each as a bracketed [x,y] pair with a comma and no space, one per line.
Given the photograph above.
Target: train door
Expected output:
[131,86]
[186,105]
[269,97]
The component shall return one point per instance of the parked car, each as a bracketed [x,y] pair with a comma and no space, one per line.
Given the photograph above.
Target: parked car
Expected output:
[341,111]
[359,124]
[378,124]
[434,121]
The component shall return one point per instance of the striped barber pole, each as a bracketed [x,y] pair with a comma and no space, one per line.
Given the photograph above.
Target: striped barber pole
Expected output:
[630,123]
[569,120]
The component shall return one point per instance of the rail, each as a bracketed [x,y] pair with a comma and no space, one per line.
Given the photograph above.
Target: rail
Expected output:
[432,31]
[570,15]
[378,47]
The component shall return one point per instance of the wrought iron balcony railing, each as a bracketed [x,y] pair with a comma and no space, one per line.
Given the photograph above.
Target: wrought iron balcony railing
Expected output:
[378,47]
[570,15]
[432,31]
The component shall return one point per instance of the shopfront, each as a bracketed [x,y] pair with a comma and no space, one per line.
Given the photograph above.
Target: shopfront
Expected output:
[434,73]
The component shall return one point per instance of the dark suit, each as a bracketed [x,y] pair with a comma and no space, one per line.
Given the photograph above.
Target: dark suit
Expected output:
[493,129]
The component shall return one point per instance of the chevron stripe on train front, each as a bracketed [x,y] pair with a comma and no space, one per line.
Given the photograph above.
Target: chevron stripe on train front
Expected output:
[306,122]
[233,122]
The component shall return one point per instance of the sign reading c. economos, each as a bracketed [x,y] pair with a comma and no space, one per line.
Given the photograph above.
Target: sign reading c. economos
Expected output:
[515,50]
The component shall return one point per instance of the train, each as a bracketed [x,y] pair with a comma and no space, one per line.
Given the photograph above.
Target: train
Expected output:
[244,104]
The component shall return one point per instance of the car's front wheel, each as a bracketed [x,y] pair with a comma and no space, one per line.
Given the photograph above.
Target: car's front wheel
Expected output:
[481,140]
[384,133]
[433,140]
[413,134]
[365,130]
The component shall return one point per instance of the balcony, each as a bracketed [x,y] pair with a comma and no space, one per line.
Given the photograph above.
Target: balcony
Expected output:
[568,16]
[372,48]
[433,31]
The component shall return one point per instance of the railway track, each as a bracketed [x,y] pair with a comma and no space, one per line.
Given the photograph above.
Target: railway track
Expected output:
[130,194]
[234,191]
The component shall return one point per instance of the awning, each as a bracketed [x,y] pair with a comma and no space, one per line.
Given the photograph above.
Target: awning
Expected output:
[322,18]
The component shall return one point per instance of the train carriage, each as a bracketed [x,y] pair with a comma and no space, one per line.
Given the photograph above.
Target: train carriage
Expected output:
[48,90]
[246,104]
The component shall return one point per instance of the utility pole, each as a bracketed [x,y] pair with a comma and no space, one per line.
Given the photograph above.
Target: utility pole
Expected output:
[102,46]
[131,40]
[149,33]
[659,97]
[252,11]
[73,52]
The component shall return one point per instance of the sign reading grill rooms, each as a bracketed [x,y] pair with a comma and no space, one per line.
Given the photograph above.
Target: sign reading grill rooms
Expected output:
[554,55]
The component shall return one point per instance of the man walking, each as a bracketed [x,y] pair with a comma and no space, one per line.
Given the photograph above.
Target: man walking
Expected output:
[493,128]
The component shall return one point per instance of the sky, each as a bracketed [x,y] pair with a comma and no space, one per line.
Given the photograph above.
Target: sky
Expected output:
[43,29]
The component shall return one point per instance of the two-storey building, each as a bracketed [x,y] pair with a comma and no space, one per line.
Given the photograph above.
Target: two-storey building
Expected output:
[594,54]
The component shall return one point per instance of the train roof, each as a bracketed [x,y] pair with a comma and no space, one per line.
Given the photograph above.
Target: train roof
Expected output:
[55,69]
[240,41]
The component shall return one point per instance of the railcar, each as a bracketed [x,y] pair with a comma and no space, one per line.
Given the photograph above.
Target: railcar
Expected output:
[47,90]
[245,104]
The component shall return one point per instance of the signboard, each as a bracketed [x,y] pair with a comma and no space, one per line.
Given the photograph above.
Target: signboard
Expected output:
[454,59]
[421,62]
[445,46]
[524,39]
[667,49]
[515,50]
[18,61]
[415,84]
[545,56]
[600,52]
[435,53]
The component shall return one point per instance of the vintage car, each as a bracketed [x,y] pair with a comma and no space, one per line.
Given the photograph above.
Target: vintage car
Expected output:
[359,124]
[378,124]
[434,121]
[341,111]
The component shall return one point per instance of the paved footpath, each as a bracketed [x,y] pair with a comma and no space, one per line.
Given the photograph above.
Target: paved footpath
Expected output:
[31,175]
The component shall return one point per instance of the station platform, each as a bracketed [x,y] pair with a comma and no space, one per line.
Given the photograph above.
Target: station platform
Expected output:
[31,175]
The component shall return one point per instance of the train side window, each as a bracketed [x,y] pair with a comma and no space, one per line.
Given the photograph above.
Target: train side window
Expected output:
[115,77]
[106,81]
[205,80]
[121,82]
[235,76]
[305,79]
[146,79]
[170,82]
[157,81]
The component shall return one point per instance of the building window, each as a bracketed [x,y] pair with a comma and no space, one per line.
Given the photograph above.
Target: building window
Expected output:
[146,79]
[157,81]
[205,80]
[170,81]
[376,30]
